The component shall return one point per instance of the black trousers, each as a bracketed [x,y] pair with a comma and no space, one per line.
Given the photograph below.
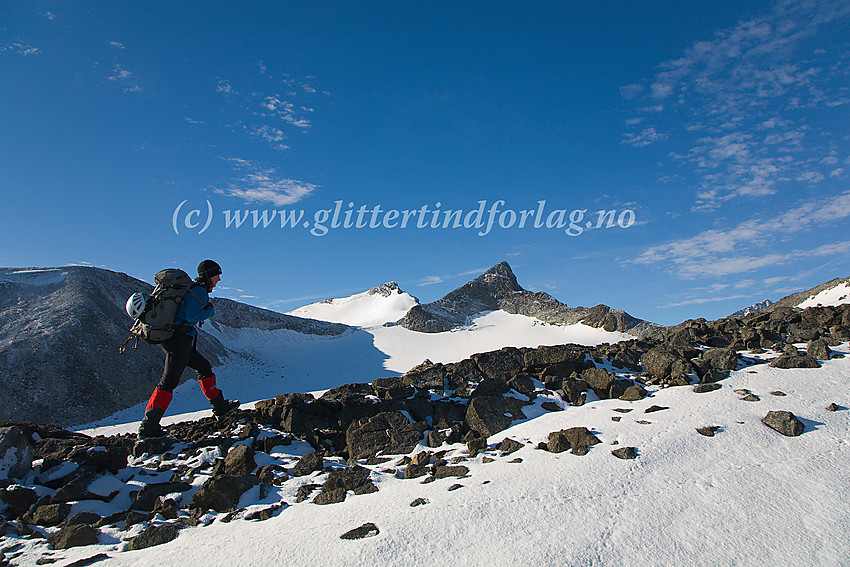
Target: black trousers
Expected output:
[180,352]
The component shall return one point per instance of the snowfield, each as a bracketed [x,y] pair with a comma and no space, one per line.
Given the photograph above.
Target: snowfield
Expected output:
[747,496]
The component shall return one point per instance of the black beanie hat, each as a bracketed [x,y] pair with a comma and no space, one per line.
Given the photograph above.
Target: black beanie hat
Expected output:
[208,269]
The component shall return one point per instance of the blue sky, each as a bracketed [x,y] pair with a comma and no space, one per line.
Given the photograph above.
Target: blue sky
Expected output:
[721,126]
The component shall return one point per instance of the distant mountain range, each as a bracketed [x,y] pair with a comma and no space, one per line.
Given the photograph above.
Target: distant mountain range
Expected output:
[60,329]
[833,292]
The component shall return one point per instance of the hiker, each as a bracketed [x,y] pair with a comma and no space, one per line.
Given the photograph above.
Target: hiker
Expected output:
[180,352]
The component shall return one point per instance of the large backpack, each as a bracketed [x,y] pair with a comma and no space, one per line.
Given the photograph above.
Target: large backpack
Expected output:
[156,323]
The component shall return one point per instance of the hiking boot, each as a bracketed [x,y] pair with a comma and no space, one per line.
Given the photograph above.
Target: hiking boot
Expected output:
[150,428]
[222,408]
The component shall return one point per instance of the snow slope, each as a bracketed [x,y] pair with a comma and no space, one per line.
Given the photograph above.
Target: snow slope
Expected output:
[748,496]
[837,295]
[367,309]
[267,363]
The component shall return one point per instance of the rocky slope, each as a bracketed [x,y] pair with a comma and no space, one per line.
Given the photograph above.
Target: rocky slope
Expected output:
[497,288]
[60,329]
[150,490]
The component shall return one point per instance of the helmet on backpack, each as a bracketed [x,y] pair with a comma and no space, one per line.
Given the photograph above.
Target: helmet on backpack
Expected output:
[136,304]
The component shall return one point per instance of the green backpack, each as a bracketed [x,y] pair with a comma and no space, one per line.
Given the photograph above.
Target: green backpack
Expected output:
[155,324]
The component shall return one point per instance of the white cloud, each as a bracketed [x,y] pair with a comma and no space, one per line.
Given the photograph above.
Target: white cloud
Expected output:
[128,80]
[430,280]
[20,48]
[264,185]
[742,248]
[224,87]
[702,300]
[116,44]
[644,138]
[762,75]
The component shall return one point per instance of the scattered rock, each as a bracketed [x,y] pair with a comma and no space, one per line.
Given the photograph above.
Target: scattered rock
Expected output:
[551,406]
[455,487]
[508,446]
[784,422]
[633,393]
[707,387]
[240,460]
[832,407]
[818,349]
[491,414]
[366,530]
[625,452]
[751,398]
[794,361]
[330,497]
[48,515]
[147,497]
[446,471]
[777,393]
[153,535]
[15,453]
[576,438]
[386,432]
[222,493]
[309,463]
[708,431]
[76,535]
[653,409]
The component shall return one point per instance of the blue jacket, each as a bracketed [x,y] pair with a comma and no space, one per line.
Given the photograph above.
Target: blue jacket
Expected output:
[195,308]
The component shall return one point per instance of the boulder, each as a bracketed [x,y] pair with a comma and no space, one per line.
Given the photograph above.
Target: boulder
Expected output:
[386,432]
[784,422]
[721,358]
[599,380]
[309,463]
[366,530]
[664,364]
[355,479]
[330,497]
[794,361]
[18,499]
[240,461]
[577,438]
[15,453]
[153,535]
[222,493]
[48,515]
[818,349]
[147,497]
[633,393]
[625,452]
[73,536]
[489,415]
[501,364]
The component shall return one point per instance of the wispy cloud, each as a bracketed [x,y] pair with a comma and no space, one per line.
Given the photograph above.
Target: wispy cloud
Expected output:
[267,115]
[747,246]
[128,80]
[116,44]
[264,185]
[701,300]
[19,48]
[430,280]
[743,102]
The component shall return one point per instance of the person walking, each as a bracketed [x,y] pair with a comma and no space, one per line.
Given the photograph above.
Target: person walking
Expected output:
[180,352]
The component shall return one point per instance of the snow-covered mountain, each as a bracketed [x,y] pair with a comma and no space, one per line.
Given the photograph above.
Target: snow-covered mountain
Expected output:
[834,292]
[754,308]
[379,305]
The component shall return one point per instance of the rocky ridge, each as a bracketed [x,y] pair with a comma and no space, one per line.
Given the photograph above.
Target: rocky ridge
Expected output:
[423,425]
[497,288]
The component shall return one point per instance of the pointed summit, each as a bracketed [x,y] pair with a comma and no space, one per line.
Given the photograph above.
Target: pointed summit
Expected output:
[498,289]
